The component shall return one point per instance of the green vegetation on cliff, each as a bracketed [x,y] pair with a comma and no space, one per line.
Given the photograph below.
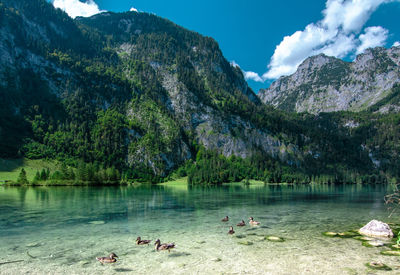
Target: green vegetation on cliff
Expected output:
[132,96]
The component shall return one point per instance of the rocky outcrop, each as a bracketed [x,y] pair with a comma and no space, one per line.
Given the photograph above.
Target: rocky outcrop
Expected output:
[327,84]
[377,229]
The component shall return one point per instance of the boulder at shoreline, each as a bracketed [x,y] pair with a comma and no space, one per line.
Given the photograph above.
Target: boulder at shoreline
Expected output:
[376,229]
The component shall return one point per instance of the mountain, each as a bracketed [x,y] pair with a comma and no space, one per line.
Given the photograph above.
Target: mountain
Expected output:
[126,89]
[137,92]
[327,84]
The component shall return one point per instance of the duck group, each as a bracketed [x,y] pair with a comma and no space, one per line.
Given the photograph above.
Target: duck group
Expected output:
[158,246]
[242,223]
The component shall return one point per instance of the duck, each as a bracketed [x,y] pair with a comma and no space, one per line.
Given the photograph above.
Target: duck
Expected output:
[139,241]
[231,231]
[164,246]
[242,223]
[107,260]
[225,219]
[253,222]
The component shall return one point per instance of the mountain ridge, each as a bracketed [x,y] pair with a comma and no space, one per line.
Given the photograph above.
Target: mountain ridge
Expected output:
[328,84]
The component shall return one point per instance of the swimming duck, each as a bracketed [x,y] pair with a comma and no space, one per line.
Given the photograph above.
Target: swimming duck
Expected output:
[139,241]
[107,260]
[242,223]
[231,231]
[253,222]
[225,219]
[164,246]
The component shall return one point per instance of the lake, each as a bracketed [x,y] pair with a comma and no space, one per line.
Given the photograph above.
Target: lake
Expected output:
[60,230]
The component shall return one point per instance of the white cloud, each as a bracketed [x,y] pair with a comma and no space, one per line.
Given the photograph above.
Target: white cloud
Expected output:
[337,34]
[252,76]
[234,64]
[76,8]
[295,48]
[341,46]
[248,75]
[373,37]
[350,15]
[396,44]
[133,9]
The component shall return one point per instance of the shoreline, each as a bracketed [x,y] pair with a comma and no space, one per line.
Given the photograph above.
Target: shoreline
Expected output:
[178,183]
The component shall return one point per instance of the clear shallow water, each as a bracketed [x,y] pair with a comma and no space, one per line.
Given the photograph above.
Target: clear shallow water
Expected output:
[62,229]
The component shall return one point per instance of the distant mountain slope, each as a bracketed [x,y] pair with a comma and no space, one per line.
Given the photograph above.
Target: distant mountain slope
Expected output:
[328,84]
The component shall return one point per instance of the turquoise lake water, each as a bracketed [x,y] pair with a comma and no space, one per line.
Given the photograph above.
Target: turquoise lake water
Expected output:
[60,230]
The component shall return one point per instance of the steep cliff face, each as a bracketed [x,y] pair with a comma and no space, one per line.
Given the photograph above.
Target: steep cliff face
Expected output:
[128,86]
[328,84]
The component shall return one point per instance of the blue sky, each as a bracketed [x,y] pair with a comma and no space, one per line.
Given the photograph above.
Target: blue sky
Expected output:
[252,33]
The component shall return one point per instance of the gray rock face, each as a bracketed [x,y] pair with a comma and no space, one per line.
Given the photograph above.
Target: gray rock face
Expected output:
[327,84]
[376,229]
[228,134]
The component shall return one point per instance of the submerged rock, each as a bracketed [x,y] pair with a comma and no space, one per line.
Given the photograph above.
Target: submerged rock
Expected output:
[373,243]
[245,243]
[330,234]
[378,266]
[391,253]
[33,244]
[274,239]
[347,234]
[97,222]
[217,260]
[395,247]
[376,229]
[363,238]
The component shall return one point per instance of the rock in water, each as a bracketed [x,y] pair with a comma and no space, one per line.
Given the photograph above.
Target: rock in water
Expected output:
[97,222]
[274,239]
[330,234]
[373,243]
[377,229]
[378,266]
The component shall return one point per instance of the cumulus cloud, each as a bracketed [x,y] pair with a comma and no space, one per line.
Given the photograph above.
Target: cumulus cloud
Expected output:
[76,8]
[396,44]
[133,9]
[248,75]
[337,34]
[373,37]
[252,76]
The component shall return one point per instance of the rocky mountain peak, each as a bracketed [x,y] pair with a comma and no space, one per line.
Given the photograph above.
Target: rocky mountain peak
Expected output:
[325,84]
[315,62]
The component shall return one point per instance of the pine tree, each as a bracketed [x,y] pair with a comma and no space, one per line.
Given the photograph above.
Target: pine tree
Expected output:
[47,173]
[43,175]
[64,172]
[22,177]
[37,177]
[82,171]
[71,174]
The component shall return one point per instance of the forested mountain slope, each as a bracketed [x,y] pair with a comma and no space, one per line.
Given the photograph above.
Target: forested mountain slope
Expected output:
[122,89]
[137,92]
